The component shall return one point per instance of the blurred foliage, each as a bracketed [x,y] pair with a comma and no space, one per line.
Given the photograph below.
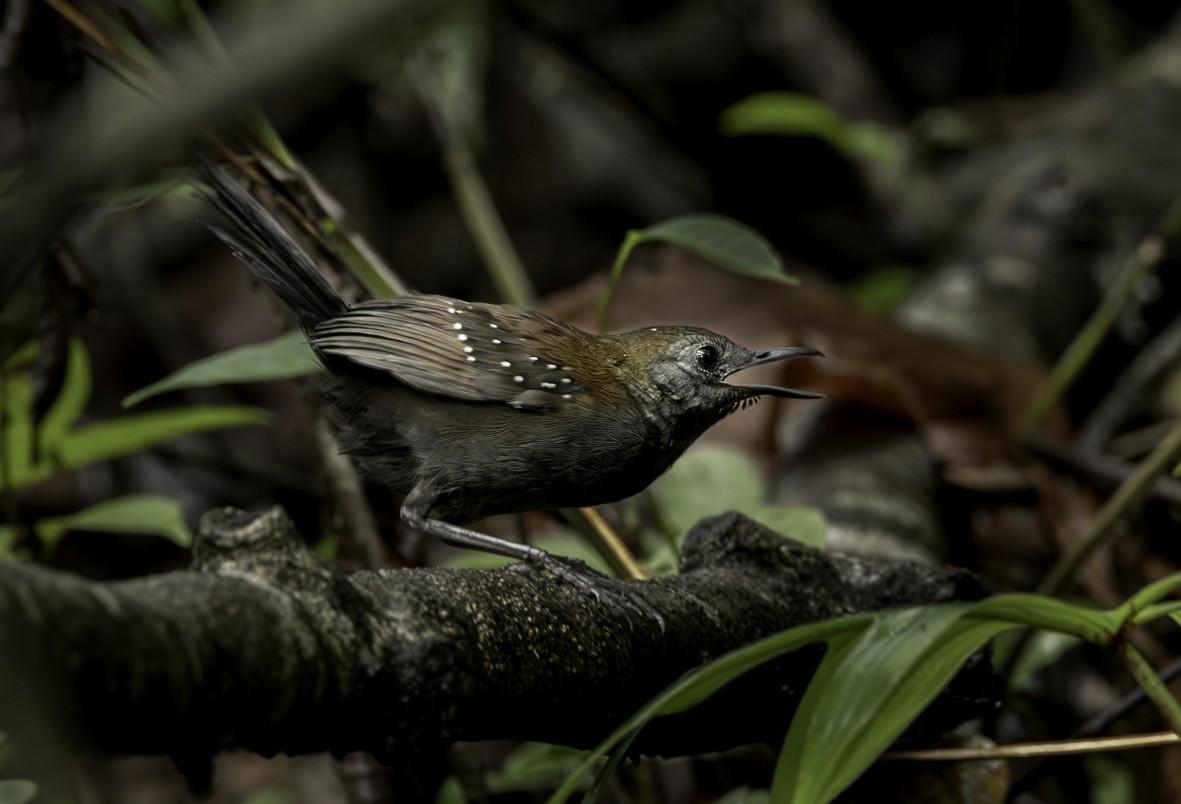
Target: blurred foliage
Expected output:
[33,448]
[790,113]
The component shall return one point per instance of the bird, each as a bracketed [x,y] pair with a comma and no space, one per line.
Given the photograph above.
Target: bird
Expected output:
[472,409]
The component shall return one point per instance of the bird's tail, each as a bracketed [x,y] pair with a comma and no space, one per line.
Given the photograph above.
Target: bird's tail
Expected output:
[272,254]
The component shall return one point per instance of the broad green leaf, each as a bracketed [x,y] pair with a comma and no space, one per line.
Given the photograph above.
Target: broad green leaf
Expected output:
[707,480]
[135,513]
[711,480]
[285,356]
[115,437]
[724,242]
[799,522]
[71,399]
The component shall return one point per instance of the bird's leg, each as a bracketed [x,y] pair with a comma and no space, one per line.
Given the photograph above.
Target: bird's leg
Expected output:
[614,593]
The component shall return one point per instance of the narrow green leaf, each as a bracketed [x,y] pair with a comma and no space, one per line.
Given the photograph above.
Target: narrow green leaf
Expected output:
[1149,595]
[70,401]
[16,430]
[285,356]
[868,688]
[697,685]
[724,242]
[115,437]
[1156,610]
[793,114]
[135,513]
[782,113]
[1037,611]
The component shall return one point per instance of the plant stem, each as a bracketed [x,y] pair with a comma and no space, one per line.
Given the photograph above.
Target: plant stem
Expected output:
[1150,682]
[485,224]
[1131,491]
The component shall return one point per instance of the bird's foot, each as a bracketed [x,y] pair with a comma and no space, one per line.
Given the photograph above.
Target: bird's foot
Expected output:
[620,596]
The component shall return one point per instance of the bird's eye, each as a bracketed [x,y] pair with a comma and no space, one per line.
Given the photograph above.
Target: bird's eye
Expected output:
[707,357]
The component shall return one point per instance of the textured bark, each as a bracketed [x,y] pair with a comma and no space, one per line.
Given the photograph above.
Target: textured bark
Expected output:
[262,646]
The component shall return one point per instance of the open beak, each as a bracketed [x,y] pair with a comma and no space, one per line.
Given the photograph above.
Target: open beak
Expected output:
[774,356]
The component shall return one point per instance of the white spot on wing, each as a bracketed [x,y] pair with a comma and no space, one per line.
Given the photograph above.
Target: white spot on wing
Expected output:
[457,325]
[505,363]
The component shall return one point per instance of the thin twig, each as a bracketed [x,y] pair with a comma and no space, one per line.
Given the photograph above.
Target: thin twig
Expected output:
[1094,745]
[613,543]
[1130,492]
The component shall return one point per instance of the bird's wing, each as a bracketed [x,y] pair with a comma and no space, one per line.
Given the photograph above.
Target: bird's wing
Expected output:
[456,349]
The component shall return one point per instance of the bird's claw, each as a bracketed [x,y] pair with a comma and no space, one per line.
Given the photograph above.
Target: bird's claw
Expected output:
[615,594]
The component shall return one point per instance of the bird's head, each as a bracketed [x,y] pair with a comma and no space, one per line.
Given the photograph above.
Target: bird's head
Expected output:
[684,370]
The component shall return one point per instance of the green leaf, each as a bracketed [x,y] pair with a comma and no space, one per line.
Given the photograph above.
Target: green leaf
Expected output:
[285,356]
[697,685]
[711,480]
[799,522]
[879,672]
[868,688]
[782,113]
[135,513]
[724,242]
[71,399]
[115,437]
[707,480]
[1149,596]
[799,115]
